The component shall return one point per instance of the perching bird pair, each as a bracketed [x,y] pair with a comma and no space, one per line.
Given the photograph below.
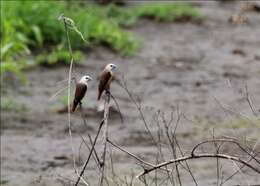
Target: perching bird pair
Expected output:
[106,78]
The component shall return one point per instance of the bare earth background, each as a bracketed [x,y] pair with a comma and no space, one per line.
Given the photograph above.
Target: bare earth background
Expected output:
[189,65]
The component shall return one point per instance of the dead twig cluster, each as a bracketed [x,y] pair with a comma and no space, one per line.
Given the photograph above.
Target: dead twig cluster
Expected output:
[165,141]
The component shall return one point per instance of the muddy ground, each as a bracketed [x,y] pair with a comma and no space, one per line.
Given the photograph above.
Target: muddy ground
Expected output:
[202,69]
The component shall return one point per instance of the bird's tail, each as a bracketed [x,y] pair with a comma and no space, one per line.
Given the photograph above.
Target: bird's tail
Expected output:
[74,106]
[99,96]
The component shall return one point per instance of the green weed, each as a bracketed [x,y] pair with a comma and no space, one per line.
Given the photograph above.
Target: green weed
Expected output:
[243,123]
[38,31]
[64,100]
[8,104]
[168,12]
[156,11]
[57,57]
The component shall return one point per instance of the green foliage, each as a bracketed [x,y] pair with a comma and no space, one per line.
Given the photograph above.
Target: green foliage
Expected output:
[64,100]
[11,68]
[57,57]
[32,27]
[8,104]
[39,30]
[168,12]
[157,11]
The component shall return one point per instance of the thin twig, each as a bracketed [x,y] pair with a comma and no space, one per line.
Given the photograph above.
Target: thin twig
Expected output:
[225,140]
[117,105]
[90,153]
[186,162]
[95,152]
[249,101]
[68,101]
[132,155]
[241,167]
[139,108]
[105,136]
[197,156]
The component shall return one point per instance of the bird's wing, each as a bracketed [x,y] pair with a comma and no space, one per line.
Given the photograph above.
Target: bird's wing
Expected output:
[105,79]
[80,92]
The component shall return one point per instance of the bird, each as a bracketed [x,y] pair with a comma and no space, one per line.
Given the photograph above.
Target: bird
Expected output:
[106,78]
[81,89]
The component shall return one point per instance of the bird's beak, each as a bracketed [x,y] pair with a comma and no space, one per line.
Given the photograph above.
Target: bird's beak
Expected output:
[90,78]
[114,66]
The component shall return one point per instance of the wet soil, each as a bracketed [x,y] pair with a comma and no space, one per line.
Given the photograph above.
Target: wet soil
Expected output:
[201,69]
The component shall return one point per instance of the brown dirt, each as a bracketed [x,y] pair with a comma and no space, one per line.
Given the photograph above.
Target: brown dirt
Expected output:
[181,64]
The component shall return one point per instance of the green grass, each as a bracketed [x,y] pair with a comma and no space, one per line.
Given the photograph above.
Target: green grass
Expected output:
[168,12]
[38,31]
[8,104]
[31,33]
[155,11]
[64,100]
[243,123]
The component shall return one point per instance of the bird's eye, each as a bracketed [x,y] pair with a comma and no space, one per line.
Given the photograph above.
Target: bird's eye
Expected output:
[111,65]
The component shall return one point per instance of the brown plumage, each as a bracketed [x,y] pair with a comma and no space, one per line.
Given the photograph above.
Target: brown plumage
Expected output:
[104,83]
[81,89]
[80,92]
[106,78]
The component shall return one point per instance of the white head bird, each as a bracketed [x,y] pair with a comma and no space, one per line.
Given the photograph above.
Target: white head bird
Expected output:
[106,78]
[81,89]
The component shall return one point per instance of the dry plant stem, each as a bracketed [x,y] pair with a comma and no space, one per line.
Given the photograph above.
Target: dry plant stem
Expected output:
[231,176]
[230,110]
[241,167]
[197,156]
[90,140]
[95,152]
[69,87]
[186,162]
[134,156]
[89,148]
[172,143]
[90,153]
[61,89]
[105,136]
[113,169]
[139,108]
[249,101]
[217,152]
[117,105]
[225,140]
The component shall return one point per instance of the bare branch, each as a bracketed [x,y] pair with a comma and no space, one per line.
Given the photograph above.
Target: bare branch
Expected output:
[132,155]
[222,156]
[139,108]
[105,136]
[225,140]
[90,153]
[248,99]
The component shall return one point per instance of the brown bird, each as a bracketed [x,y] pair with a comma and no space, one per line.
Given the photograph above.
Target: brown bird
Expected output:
[81,89]
[106,78]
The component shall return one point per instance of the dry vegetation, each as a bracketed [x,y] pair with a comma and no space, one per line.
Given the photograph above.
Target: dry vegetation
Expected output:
[165,170]
[169,161]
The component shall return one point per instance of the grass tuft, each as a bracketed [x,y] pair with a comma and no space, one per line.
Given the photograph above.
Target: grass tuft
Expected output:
[243,123]
[8,104]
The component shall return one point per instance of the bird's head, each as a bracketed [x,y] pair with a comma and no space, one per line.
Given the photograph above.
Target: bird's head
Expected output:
[111,67]
[85,79]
